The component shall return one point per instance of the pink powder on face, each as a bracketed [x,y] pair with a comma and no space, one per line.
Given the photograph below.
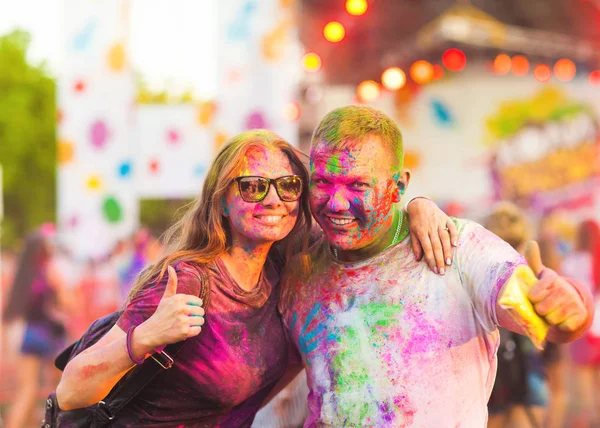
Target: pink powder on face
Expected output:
[244,217]
[350,183]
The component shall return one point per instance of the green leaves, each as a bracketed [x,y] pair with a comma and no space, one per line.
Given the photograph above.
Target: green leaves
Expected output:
[27,139]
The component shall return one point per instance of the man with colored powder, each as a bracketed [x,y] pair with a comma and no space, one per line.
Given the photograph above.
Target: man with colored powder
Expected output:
[385,341]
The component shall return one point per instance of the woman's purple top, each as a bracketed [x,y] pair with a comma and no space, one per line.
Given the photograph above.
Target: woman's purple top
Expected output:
[41,297]
[220,377]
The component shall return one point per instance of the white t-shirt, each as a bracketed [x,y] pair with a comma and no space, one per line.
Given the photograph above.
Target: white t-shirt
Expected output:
[388,343]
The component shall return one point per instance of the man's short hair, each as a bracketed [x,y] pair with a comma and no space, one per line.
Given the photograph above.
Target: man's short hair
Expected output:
[342,127]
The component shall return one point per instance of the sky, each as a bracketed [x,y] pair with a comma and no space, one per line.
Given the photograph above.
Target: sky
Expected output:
[173,42]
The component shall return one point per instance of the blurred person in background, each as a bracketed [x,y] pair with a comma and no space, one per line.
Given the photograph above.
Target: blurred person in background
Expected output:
[38,296]
[555,358]
[129,257]
[99,293]
[520,391]
[583,264]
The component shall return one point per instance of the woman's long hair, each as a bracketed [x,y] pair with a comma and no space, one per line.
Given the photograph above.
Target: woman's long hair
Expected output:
[34,254]
[203,233]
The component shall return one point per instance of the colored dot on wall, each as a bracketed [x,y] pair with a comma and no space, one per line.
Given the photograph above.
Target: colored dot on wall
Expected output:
[412,160]
[125,169]
[116,57]
[173,136]
[73,221]
[79,86]
[98,133]
[94,182]
[200,170]
[219,139]
[255,120]
[154,166]
[112,210]
[205,112]
[64,151]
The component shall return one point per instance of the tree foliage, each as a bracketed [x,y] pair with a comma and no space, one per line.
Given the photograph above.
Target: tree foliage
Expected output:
[27,139]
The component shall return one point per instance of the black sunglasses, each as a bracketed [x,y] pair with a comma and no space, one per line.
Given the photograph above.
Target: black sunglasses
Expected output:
[255,189]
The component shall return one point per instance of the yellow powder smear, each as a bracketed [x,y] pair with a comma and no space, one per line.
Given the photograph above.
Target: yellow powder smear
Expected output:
[514,300]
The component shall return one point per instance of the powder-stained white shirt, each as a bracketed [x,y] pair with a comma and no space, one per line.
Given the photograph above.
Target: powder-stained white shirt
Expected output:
[389,343]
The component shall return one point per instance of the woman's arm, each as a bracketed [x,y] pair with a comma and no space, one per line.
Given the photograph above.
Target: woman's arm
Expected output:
[90,376]
[432,233]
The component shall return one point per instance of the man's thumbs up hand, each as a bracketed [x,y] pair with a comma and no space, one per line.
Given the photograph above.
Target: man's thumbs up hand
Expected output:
[554,298]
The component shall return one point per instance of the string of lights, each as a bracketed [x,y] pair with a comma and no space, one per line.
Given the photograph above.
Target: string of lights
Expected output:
[462,24]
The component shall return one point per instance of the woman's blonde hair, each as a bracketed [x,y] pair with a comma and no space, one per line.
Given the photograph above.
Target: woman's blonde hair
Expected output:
[203,233]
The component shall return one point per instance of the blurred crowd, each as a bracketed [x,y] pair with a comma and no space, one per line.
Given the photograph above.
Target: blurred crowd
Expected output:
[49,299]
[558,386]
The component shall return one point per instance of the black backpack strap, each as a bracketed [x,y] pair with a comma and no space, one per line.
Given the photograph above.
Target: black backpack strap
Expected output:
[137,379]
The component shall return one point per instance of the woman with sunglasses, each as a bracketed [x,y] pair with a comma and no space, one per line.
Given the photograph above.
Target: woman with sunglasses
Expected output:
[251,217]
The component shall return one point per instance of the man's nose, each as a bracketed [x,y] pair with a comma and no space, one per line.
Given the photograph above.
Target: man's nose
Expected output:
[338,202]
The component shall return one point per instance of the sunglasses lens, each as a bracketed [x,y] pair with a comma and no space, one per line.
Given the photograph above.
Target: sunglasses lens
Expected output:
[253,189]
[289,188]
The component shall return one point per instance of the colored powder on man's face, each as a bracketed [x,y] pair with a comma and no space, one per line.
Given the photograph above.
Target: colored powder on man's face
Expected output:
[334,164]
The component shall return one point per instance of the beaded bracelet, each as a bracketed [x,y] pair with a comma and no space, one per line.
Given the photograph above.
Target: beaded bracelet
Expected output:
[130,351]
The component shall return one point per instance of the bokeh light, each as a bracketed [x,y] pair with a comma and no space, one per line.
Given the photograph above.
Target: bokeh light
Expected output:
[356,7]
[520,65]
[565,70]
[393,78]
[542,73]
[421,72]
[368,90]
[502,64]
[334,32]
[454,59]
[311,62]
[291,111]
[595,78]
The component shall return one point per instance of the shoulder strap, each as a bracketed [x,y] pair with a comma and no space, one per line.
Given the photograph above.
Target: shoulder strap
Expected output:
[137,379]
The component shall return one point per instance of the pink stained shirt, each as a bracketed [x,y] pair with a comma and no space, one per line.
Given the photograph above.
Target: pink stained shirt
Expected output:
[220,377]
[388,343]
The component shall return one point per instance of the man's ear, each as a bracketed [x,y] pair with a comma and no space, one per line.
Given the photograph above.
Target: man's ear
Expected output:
[402,185]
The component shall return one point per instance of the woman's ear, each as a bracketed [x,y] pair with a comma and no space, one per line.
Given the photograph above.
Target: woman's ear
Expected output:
[224,210]
[402,185]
